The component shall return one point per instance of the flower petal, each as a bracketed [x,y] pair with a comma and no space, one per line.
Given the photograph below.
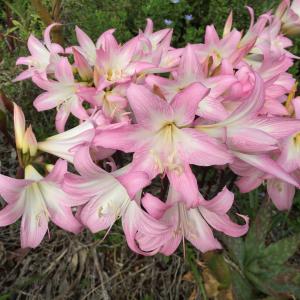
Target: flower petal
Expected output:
[199,233]
[185,103]
[266,164]
[224,224]
[281,193]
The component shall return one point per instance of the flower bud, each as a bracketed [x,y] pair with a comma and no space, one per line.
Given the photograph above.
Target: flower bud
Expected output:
[19,124]
[82,65]
[29,142]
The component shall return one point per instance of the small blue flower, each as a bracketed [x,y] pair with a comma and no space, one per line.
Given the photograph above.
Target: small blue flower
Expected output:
[175,1]
[189,17]
[168,21]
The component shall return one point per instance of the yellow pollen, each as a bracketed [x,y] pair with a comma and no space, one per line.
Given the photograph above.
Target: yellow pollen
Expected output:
[288,103]
[296,140]
[279,187]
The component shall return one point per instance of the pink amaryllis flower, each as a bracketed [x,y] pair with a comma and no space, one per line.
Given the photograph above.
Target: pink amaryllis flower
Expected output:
[280,191]
[37,199]
[192,224]
[250,136]
[154,39]
[87,47]
[44,56]
[162,138]
[289,14]
[188,72]
[109,196]
[115,63]
[62,94]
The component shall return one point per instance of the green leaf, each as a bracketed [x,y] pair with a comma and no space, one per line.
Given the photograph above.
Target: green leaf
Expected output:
[255,239]
[218,267]
[278,253]
[242,289]
[287,282]
[5,296]
[236,249]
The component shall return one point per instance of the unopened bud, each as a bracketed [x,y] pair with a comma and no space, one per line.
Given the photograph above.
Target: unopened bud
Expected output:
[19,124]
[82,65]
[29,142]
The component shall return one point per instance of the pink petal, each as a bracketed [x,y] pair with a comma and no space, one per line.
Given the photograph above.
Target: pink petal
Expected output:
[200,234]
[189,63]
[171,245]
[146,106]
[58,172]
[247,184]
[77,109]
[250,106]
[24,75]
[281,193]
[134,182]
[84,41]
[266,164]
[211,35]
[135,221]
[128,50]
[85,165]
[36,48]
[106,41]
[221,203]
[11,213]
[64,72]
[224,224]
[183,181]
[61,118]
[65,144]
[34,224]
[154,206]
[184,110]
[149,27]
[10,188]
[41,82]
[250,140]
[51,46]
[122,138]
[92,219]
[82,65]
[24,60]
[276,126]
[203,150]
[45,101]
[64,218]
[212,109]
[79,188]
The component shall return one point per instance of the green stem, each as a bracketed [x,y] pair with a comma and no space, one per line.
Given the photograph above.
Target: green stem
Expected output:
[197,274]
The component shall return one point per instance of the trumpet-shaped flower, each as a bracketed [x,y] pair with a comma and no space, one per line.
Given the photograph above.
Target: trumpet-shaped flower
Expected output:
[66,144]
[116,63]
[249,136]
[192,224]
[289,14]
[190,71]
[44,56]
[62,94]
[37,199]
[160,137]
[87,48]
[109,196]
[25,139]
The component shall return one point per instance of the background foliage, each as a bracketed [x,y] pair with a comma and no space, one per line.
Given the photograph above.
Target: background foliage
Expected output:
[264,265]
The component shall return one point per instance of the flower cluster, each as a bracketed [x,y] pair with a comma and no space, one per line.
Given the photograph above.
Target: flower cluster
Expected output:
[226,102]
